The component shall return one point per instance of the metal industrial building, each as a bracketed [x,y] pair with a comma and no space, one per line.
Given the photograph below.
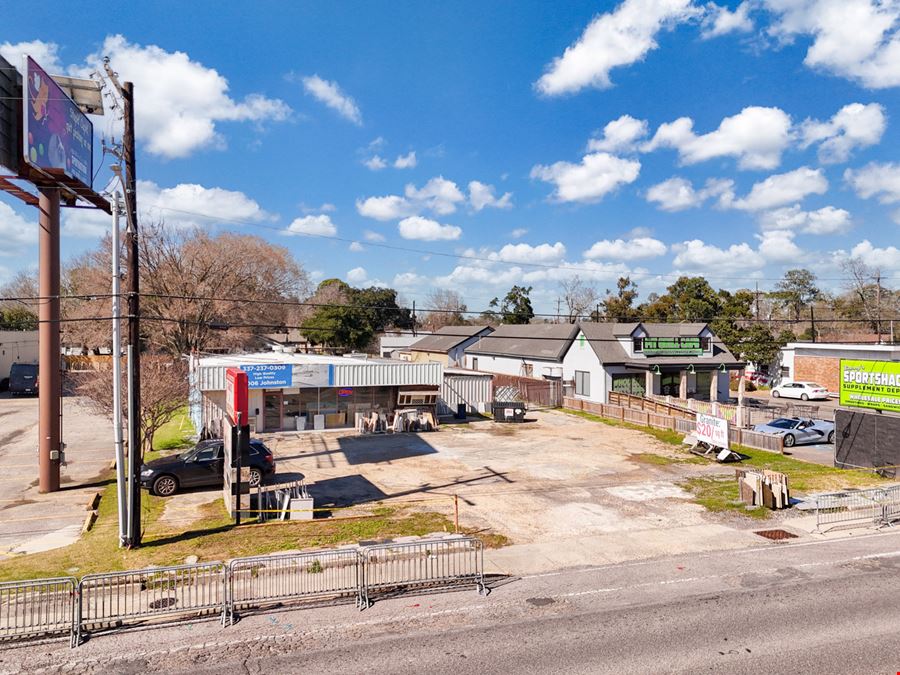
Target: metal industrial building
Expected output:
[17,346]
[821,361]
[291,391]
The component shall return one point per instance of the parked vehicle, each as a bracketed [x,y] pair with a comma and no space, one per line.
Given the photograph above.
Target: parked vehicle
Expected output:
[202,465]
[796,430]
[805,391]
[23,379]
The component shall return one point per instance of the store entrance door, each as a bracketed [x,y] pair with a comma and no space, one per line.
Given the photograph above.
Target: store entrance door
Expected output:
[272,410]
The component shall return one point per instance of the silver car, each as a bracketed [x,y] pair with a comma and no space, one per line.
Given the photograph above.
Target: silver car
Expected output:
[796,430]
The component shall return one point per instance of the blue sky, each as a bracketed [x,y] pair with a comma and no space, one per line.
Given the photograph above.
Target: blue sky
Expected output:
[507,142]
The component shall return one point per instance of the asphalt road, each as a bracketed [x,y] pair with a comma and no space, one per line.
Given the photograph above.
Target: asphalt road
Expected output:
[816,607]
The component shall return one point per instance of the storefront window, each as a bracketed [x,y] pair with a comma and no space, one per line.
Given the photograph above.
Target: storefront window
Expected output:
[629,384]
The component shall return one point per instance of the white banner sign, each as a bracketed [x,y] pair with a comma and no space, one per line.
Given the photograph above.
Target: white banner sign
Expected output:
[312,375]
[712,430]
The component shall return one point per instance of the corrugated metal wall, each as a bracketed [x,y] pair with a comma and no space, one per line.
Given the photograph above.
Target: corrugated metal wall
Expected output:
[469,389]
[374,374]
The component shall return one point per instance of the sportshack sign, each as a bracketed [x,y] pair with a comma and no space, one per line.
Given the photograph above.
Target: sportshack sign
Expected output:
[712,430]
[870,384]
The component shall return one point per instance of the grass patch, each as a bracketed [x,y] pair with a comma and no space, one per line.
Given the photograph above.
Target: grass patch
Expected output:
[176,434]
[214,537]
[670,437]
[720,495]
[665,460]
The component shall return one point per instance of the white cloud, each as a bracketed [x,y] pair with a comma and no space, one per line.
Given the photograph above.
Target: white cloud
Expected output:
[14,229]
[525,253]
[699,256]
[183,204]
[45,53]
[617,38]
[887,258]
[481,196]
[783,188]
[331,95]
[853,126]
[407,161]
[778,246]
[88,223]
[756,137]
[855,39]
[375,163]
[620,135]
[677,193]
[320,225]
[597,175]
[356,247]
[389,207]
[438,195]
[721,21]
[876,180]
[424,229]
[178,101]
[369,235]
[519,232]
[827,220]
[357,275]
[622,249]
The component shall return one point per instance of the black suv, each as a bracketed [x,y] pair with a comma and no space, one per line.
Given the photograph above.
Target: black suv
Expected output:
[202,465]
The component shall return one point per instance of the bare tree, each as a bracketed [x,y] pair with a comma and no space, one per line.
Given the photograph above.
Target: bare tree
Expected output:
[164,391]
[580,298]
[866,291]
[446,308]
[192,284]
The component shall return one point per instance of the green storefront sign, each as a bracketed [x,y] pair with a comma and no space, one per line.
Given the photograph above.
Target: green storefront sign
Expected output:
[871,384]
[672,346]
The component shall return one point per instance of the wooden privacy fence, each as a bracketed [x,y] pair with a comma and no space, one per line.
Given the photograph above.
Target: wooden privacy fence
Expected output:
[682,425]
[545,393]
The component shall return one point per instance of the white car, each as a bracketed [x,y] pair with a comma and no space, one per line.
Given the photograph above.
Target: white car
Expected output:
[805,391]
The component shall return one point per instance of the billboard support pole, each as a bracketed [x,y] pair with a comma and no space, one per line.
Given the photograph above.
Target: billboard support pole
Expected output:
[117,375]
[49,379]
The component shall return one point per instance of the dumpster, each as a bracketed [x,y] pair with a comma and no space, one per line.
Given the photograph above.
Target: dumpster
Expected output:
[508,411]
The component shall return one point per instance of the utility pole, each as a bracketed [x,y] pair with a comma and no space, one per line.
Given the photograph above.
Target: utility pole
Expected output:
[414,319]
[878,305]
[133,526]
[558,304]
[812,322]
[117,376]
[757,301]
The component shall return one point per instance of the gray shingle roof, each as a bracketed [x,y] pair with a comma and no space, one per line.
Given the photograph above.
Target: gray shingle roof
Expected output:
[446,338]
[546,341]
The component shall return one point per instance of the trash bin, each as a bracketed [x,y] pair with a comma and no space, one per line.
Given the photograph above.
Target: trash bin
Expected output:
[508,411]
[460,411]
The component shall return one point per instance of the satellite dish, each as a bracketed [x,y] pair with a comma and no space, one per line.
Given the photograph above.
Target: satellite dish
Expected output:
[85,93]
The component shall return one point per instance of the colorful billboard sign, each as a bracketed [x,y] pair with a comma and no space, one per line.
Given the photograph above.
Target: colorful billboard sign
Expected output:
[870,384]
[268,375]
[712,430]
[672,346]
[56,134]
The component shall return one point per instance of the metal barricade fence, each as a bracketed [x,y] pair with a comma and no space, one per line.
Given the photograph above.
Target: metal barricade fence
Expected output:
[889,501]
[439,562]
[37,608]
[118,598]
[840,508]
[261,580]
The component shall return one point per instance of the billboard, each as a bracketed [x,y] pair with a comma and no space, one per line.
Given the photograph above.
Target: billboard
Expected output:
[672,346]
[56,134]
[712,430]
[10,95]
[236,395]
[870,384]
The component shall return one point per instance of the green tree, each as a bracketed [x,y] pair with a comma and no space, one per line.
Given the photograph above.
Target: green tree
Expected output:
[620,307]
[515,307]
[796,291]
[759,345]
[18,318]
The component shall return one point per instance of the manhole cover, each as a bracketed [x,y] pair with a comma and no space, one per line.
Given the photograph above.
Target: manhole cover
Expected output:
[540,602]
[776,535]
[163,603]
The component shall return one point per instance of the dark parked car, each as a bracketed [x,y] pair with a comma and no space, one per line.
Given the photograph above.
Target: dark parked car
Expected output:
[202,465]
[23,379]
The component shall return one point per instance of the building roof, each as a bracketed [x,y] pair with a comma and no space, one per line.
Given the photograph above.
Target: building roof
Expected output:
[447,338]
[543,341]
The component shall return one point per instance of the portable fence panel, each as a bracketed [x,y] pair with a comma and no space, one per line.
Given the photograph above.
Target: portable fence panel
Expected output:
[847,507]
[37,607]
[293,577]
[118,598]
[444,562]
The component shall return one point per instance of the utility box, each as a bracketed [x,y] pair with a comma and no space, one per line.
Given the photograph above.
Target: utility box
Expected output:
[508,411]
[301,508]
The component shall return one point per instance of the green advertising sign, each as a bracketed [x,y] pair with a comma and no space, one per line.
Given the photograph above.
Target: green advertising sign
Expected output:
[672,346]
[871,384]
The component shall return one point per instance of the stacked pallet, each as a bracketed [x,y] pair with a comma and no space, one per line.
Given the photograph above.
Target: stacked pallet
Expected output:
[760,487]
